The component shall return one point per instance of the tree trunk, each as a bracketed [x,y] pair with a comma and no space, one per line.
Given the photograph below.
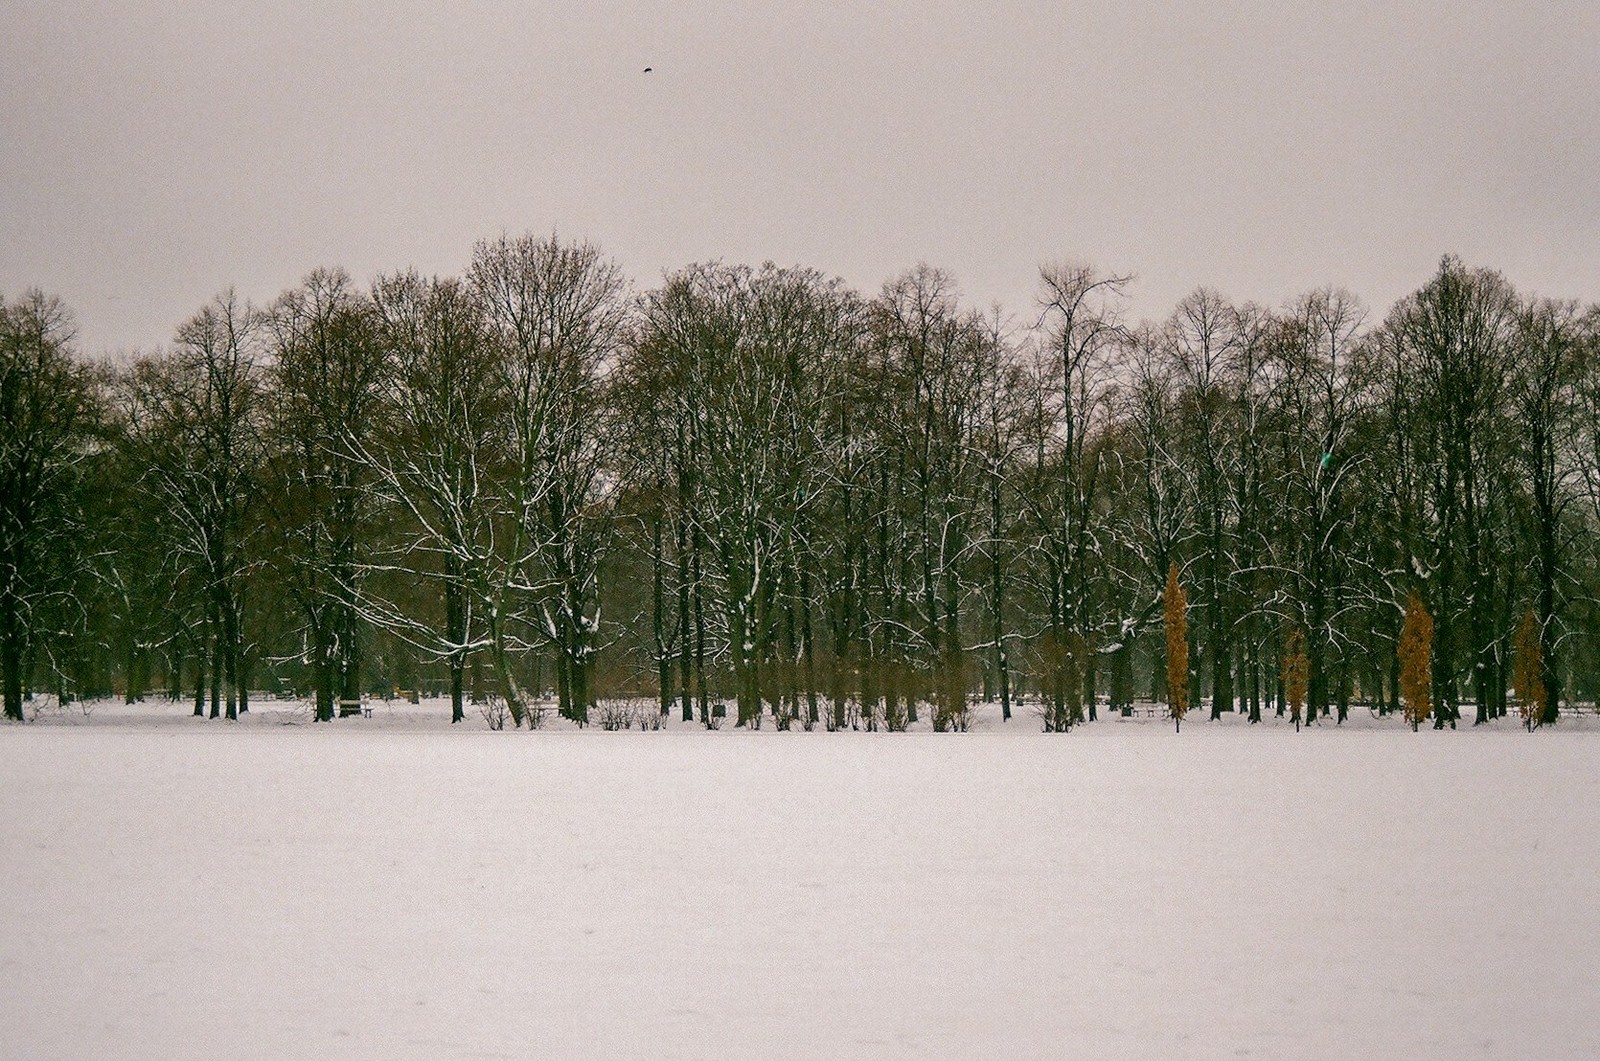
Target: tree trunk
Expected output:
[579,682]
[658,620]
[701,691]
[244,683]
[997,598]
[230,655]
[216,675]
[11,657]
[200,681]
[1551,675]
[1090,671]
[808,653]
[953,668]
[1342,700]
[505,675]
[563,684]
[322,670]
[455,611]
[457,688]
[349,653]
[1122,675]
[130,671]
[685,653]
[1253,675]
[1222,692]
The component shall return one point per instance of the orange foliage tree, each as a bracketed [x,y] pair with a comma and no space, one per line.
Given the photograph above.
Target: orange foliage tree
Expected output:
[1296,674]
[1416,661]
[1527,670]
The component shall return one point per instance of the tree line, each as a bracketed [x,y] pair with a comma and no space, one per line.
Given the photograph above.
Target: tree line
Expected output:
[759,491]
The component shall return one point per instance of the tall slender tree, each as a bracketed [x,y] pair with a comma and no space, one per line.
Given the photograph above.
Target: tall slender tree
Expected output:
[327,375]
[196,411]
[558,311]
[434,455]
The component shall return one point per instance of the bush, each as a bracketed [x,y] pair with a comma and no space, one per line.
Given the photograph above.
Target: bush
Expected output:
[614,714]
[494,711]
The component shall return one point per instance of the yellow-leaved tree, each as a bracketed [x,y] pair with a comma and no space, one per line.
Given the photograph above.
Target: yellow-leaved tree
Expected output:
[1177,624]
[1416,661]
[1296,674]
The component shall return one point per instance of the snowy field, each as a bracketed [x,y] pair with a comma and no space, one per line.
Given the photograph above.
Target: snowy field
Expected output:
[394,888]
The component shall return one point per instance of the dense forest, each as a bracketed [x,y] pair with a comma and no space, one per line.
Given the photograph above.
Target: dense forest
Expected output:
[760,492]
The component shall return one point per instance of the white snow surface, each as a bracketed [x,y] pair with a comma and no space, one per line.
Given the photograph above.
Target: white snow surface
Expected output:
[396,888]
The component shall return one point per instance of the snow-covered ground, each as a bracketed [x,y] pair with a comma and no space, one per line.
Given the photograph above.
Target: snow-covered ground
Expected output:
[394,888]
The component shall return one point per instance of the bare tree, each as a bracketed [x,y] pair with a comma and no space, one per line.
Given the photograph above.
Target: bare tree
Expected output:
[1081,338]
[46,412]
[1317,462]
[934,356]
[1453,340]
[434,453]
[196,413]
[1546,391]
[1001,445]
[559,312]
[690,331]
[326,376]
[1150,501]
[1205,341]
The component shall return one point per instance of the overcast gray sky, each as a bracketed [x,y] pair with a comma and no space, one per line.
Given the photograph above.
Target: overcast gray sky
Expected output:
[152,154]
